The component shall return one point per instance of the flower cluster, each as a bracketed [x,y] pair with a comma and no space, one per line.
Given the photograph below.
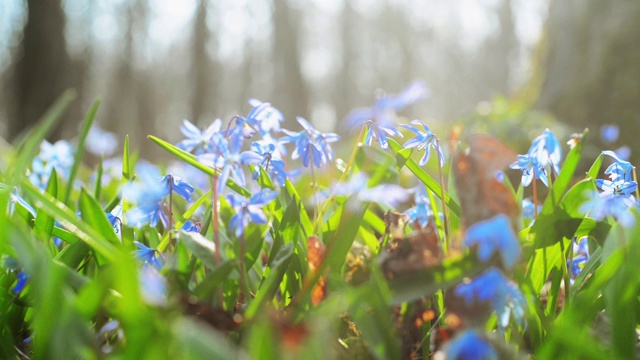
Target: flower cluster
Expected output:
[545,153]
[617,195]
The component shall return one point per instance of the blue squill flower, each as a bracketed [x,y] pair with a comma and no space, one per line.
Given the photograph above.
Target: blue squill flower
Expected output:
[530,167]
[268,118]
[494,288]
[198,141]
[175,184]
[528,209]
[249,210]
[190,226]
[619,169]
[580,257]
[469,345]
[547,150]
[275,167]
[153,286]
[148,255]
[228,157]
[311,144]
[424,140]
[422,211]
[494,235]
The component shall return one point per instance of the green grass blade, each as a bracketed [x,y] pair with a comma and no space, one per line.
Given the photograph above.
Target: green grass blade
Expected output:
[77,159]
[192,160]
[30,146]
[44,222]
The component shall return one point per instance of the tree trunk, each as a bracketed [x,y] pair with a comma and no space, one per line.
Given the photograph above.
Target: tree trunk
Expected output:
[44,69]
[590,72]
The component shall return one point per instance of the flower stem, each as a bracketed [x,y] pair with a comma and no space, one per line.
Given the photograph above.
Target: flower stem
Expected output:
[244,281]
[314,186]
[342,178]
[214,218]
[535,195]
[444,210]
[635,178]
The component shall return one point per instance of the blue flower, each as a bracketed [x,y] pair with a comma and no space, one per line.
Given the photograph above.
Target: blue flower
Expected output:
[249,210]
[619,168]
[422,211]
[383,111]
[275,167]
[494,288]
[601,205]
[547,150]
[153,286]
[175,184]
[228,157]
[148,255]
[528,209]
[609,133]
[267,117]
[580,256]
[387,194]
[424,140]
[198,141]
[469,345]
[530,167]
[494,235]
[23,278]
[101,142]
[190,226]
[310,143]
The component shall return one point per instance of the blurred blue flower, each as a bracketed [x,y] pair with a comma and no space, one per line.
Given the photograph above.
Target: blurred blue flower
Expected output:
[385,194]
[580,256]
[190,226]
[469,345]
[310,143]
[623,152]
[148,255]
[424,140]
[153,286]
[383,110]
[609,133]
[422,211]
[198,141]
[101,142]
[59,156]
[601,205]
[249,210]
[17,199]
[528,209]
[494,235]
[268,117]
[175,184]
[493,287]
[22,279]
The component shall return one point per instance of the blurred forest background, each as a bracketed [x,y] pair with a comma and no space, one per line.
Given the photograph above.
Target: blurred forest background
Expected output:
[155,62]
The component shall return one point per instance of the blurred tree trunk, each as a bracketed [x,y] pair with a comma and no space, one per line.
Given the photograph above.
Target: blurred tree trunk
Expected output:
[200,67]
[130,107]
[589,65]
[43,69]
[291,93]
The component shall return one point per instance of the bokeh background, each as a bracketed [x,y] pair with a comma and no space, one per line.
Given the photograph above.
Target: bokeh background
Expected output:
[509,67]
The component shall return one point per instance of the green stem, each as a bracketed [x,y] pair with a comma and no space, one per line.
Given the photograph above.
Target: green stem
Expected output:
[244,281]
[342,178]
[214,217]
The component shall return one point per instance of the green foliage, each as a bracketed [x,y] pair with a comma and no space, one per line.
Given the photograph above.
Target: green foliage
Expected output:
[374,288]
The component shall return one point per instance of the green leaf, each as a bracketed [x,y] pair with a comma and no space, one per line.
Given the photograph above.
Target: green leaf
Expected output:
[193,161]
[425,178]
[44,223]
[126,163]
[271,282]
[93,215]
[341,238]
[208,286]
[201,247]
[77,159]
[28,149]
[70,221]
